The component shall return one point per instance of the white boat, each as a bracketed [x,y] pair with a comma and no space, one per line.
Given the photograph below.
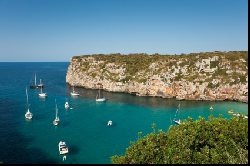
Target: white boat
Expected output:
[211,108]
[56,121]
[63,148]
[99,98]
[40,85]
[74,93]
[109,123]
[34,86]
[28,114]
[236,114]
[176,120]
[66,105]
[42,94]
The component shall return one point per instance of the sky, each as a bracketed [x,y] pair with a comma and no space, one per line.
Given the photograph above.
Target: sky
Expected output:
[56,30]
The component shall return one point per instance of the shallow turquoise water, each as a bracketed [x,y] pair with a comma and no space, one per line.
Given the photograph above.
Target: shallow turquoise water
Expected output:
[84,128]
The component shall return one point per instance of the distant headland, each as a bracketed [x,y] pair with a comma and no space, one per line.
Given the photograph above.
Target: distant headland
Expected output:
[195,76]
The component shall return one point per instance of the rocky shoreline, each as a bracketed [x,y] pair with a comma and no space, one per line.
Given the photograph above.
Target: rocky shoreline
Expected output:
[98,71]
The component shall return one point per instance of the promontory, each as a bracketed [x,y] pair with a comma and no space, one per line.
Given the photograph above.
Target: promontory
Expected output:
[196,76]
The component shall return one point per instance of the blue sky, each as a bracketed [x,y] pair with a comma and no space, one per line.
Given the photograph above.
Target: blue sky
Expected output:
[56,30]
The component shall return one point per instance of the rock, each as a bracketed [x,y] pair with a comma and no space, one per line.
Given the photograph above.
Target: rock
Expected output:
[160,79]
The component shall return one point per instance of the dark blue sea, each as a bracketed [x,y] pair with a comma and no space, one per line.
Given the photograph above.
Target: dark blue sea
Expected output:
[84,125]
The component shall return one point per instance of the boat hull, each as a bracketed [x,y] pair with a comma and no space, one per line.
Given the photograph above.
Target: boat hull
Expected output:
[28,116]
[103,99]
[74,94]
[36,86]
[42,95]
[66,106]
[55,123]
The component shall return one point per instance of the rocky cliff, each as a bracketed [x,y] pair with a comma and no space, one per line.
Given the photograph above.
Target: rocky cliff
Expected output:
[196,76]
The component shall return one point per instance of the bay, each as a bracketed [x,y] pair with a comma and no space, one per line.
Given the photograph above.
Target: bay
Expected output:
[84,127]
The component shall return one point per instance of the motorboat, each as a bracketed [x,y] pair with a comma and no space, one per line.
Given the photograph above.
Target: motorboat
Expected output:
[109,123]
[63,148]
[66,105]
[211,108]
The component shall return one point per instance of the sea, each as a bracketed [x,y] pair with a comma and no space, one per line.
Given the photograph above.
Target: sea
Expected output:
[83,126]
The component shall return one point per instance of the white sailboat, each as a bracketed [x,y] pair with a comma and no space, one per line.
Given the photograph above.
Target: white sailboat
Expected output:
[57,120]
[40,85]
[74,93]
[35,86]
[177,121]
[28,114]
[98,97]
[42,94]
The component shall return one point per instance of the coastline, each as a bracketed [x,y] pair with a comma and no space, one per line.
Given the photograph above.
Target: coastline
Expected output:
[215,76]
[163,97]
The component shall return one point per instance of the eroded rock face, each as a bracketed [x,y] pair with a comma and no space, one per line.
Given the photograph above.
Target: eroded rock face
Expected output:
[188,77]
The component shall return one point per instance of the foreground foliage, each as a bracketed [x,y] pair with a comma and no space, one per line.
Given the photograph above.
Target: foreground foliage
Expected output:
[215,141]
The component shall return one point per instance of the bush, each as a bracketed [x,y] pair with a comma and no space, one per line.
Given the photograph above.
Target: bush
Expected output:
[216,141]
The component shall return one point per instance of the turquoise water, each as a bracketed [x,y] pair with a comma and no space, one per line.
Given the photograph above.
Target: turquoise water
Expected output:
[84,127]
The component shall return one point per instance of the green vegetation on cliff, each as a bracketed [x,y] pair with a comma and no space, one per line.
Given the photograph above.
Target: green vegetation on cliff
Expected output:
[215,141]
[197,67]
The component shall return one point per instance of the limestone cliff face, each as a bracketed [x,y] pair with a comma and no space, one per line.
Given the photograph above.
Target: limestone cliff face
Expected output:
[199,76]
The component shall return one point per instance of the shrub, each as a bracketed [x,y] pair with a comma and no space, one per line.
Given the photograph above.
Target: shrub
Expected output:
[215,141]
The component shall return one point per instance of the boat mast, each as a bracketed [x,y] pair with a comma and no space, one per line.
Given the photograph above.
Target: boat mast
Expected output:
[99,93]
[27,99]
[35,78]
[56,110]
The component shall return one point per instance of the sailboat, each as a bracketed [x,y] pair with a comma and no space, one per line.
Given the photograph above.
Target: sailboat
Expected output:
[98,97]
[66,105]
[28,114]
[34,86]
[40,85]
[74,93]
[56,121]
[42,94]
[177,121]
